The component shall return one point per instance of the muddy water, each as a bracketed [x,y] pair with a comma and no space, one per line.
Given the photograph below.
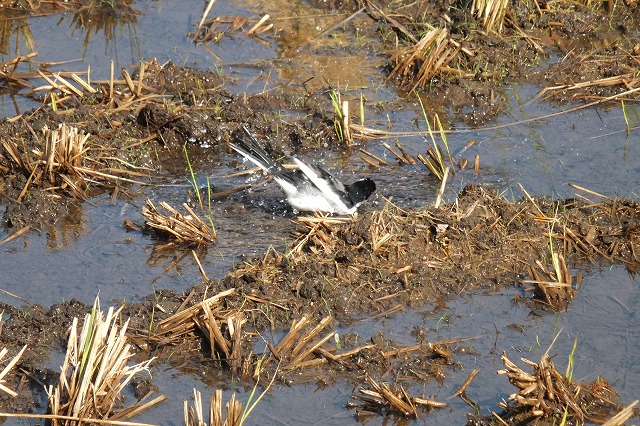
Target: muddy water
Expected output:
[91,253]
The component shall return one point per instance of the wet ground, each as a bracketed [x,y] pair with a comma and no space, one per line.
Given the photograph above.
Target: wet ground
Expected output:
[396,277]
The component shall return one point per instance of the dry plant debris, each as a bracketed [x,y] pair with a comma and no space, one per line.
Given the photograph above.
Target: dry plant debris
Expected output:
[212,30]
[604,79]
[546,394]
[95,371]
[63,88]
[172,329]
[188,229]
[384,399]
[387,259]
[61,162]
[315,230]
[10,364]
[516,35]
[115,94]
[308,349]
[8,368]
[553,288]
[194,416]
[418,63]
[64,149]
[492,13]
[303,347]
[222,329]
[625,414]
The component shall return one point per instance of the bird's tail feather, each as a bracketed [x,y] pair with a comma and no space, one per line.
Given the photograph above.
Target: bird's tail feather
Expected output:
[250,149]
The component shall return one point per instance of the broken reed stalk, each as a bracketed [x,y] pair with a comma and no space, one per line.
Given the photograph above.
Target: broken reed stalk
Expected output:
[295,348]
[8,368]
[556,291]
[182,321]
[64,150]
[418,63]
[400,154]
[627,81]
[15,235]
[545,391]
[463,387]
[8,70]
[222,329]
[222,348]
[186,229]
[382,397]
[194,416]
[204,16]
[492,13]
[259,27]
[624,415]
[346,126]
[95,371]
[56,81]
[380,161]
[318,231]
[303,347]
[58,164]
[443,184]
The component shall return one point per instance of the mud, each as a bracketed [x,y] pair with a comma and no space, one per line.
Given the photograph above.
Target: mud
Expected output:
[164,126]
[546,44]
[389,260]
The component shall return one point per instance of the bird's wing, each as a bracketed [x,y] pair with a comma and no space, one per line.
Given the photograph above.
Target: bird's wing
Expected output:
[330,187]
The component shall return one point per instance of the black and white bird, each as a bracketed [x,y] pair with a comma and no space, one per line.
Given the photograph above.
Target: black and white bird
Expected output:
[310,187]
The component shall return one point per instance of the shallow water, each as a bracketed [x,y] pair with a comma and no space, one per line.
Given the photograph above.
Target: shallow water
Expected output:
[92,253]
[607,343]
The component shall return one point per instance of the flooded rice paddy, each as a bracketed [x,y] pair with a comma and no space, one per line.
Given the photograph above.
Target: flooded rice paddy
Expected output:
[87,250]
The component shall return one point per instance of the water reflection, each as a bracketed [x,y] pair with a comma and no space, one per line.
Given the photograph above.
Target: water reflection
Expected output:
[18,42]
[18,29]
[172,256]
[66,222]
[15,36]
[98,16]
[106,17]
[68,229]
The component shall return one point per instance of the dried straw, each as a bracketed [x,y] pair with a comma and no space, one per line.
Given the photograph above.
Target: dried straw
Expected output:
[186,229]
[95,371]
[417,64]
[194,416]
[8,368]
[544,391]
[382,398]
[492,13]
